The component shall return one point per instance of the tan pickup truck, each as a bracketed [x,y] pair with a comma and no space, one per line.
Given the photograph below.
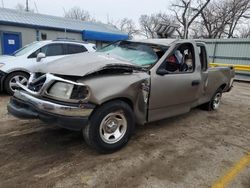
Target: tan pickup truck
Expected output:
[104,94]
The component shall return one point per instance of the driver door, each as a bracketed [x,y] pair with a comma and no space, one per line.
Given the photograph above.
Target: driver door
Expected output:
[174,91]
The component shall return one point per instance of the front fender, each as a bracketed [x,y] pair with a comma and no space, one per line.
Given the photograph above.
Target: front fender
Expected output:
[127,86]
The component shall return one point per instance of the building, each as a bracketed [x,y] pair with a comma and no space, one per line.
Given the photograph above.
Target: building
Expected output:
[18,28]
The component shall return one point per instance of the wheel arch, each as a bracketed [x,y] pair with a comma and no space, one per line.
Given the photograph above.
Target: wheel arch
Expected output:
[124,99]
[15,71]
[5,77]
[223,86]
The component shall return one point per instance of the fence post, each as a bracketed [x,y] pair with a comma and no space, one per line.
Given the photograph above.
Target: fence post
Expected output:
[215,47]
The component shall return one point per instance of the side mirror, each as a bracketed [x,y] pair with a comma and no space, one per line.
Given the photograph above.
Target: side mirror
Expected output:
[40,56]
[162,71]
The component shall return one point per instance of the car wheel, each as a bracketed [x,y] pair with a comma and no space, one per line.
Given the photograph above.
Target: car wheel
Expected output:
[110,127]
[10,83]
[214,103]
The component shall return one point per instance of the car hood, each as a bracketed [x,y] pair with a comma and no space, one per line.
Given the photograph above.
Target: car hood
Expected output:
[84,64]
[7,58]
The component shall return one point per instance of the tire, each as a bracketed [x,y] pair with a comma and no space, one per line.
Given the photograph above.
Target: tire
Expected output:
[12,78]
[110,127]
[214,103]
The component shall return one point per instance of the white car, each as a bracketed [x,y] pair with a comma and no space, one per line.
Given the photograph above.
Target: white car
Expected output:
[18,66]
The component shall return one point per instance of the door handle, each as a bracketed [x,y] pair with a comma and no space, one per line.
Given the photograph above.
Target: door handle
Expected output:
[195,82]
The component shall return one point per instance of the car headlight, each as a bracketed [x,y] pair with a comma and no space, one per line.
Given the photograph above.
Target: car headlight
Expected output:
[61,90]
[1,65]
[69,91]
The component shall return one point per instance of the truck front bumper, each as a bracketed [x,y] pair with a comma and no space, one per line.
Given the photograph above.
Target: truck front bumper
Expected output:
[69,116]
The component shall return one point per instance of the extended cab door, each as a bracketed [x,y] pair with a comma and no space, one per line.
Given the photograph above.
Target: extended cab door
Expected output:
[203,59]
[175,83]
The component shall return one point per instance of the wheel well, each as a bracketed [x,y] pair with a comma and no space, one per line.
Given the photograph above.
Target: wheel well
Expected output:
[15,72]
[124,99]
[128,101]
[12,73]
[223,86]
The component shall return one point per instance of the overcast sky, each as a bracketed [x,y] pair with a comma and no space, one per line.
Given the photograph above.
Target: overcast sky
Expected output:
[99,9]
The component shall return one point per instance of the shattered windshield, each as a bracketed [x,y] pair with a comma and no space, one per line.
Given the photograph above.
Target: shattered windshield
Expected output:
[139,54]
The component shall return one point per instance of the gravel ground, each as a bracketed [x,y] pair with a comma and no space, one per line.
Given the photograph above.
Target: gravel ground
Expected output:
[192,150]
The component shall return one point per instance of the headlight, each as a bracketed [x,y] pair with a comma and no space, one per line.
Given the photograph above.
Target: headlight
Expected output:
[1,65]
[79,92]
[69,91]
[61,90]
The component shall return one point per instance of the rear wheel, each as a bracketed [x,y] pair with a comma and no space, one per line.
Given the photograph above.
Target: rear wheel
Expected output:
[110,127]
[214,103]
[10,83]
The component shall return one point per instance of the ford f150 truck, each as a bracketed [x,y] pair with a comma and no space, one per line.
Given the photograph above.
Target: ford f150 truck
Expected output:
[104,94]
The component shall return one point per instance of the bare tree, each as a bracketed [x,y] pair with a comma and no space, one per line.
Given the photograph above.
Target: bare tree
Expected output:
[128,26]
[148,23]
[186,13]
[221,18]
[196,30]
[21,7]
[215,18]
[238,9]
[245,32]
[78,14]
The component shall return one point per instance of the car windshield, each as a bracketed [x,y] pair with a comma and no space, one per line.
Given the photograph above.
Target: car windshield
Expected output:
[26,49]
[139,54]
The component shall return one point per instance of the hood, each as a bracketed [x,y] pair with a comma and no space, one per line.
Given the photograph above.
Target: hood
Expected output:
[13,63]
[6,58]
[83,64]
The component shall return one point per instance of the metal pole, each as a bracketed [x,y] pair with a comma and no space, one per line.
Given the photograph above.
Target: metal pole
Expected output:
[214,53]
[27,5]
[65,33]
[2,4]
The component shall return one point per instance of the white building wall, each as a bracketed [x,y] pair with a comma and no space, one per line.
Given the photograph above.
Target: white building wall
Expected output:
[29,35]
[51,35]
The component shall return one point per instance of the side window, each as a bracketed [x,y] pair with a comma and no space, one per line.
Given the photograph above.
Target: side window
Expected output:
[74,49]
[49,50]
[34,54]
[203,57]
[181,60]
[53,50]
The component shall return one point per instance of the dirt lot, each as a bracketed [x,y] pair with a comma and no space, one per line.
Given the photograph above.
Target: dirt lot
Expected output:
[192,150]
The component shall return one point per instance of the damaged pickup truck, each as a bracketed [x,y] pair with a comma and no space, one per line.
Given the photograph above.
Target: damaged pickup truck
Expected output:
[104,94]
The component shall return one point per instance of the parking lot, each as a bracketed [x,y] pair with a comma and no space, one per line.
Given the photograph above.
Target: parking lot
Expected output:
[198,149]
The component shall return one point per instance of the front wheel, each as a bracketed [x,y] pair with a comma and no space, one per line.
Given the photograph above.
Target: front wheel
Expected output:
[10,83]
[110,127]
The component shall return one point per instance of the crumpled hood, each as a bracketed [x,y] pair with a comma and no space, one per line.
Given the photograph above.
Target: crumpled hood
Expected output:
[82,64]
